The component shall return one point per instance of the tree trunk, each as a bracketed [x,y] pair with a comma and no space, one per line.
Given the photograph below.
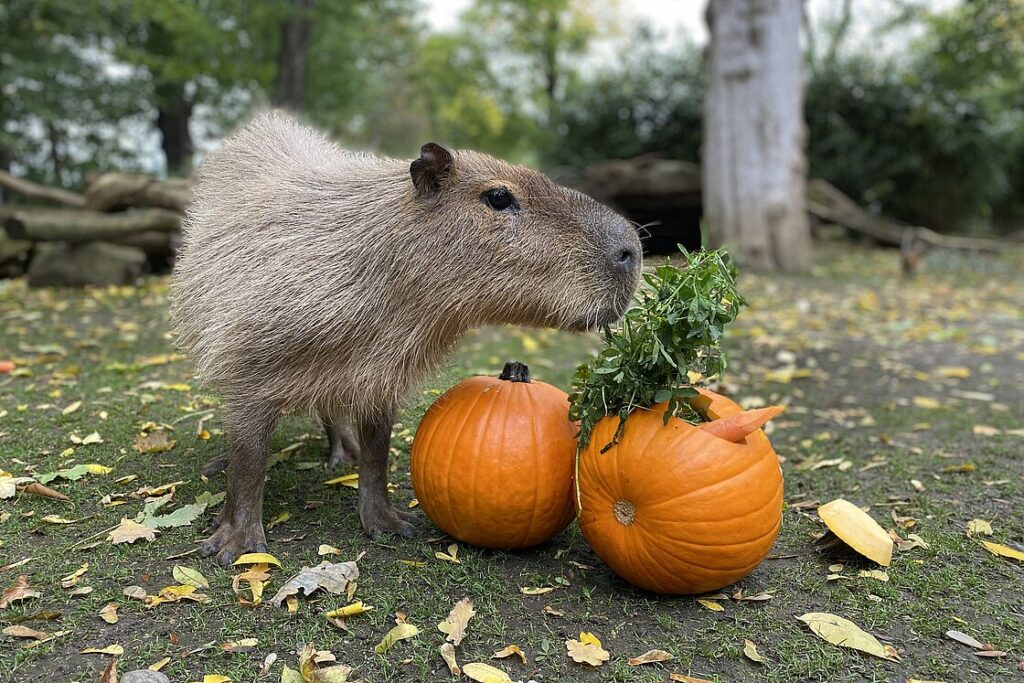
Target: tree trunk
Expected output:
[39,192]
[174,112]
[116,191]
[753,156]
[290,88]
[81,225]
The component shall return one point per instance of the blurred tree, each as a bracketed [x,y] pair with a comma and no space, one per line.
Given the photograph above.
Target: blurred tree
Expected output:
[648,100]
[753,156]
[293,55]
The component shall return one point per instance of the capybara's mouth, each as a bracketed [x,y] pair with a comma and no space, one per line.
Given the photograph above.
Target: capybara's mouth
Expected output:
[592,323]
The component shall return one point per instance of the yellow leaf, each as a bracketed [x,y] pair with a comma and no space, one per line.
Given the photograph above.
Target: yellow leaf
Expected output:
[957,372]
[650,657]
[587,637]
[1003,551]
[71,580]
[926,402]
[92,439]
[56,519]
[96,468]
[350,610]
[508,651]
[176,387]
[72,408]
[457,620]
[451,556]
[258,558]
[711,605]
[750,650]
[586,652]
[485,673]
[325,549]
[845,633]
[349,480]
[681,678]
[537,591]
[283,517]
[215,678]
[399,632]
[159,664]
[189,576]
[876,574]
[129,532]
[115,650]
[986,430]
[979,526]
[158,441]
[857,529]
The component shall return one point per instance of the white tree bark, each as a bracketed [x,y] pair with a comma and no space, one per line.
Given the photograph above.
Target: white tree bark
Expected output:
[753,157]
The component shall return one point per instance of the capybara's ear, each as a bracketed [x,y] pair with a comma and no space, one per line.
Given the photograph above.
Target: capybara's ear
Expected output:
[432,171]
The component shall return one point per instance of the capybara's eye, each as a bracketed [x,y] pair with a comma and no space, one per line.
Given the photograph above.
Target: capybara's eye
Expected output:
[500,199]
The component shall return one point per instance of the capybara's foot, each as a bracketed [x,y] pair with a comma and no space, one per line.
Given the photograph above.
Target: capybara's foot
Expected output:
[215,465]
[338,455]
[230,540]
[387,520]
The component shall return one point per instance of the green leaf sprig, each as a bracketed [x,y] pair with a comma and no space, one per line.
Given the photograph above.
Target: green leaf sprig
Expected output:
[674,327]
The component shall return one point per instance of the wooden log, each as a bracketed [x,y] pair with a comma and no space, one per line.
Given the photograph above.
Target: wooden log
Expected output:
[80,225]
[27,188]
[828,203]
[116,191]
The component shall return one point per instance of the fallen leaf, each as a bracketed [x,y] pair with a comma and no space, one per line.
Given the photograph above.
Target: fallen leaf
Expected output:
[115,650]
[71,408]
[964,639]
[257,558]
[72,579]
[711,605]
[1003,551]
[508,651]
[926,402]
[349,610]
[283,517]
[845,633]
[537,591]
[454,625]
[135,592]
[448,655]
[680,678]
[109,674]
[876,574]
[19,590]
[586,650]
[548,609]
[451,556]
[175,594]
[325,549]
[979,526]
[485,673]
[399,632]
[750,650]
[961,468]
[243,645]
[158,441]
[37,489]
[23,632]
[129,532]
[349,480]
[56,519]
[986,430]
[334,578]
[109,613]
[650,657]
[189,576]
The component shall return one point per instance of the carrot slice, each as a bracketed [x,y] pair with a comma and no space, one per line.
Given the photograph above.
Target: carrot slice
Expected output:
[736,427]
[6,366]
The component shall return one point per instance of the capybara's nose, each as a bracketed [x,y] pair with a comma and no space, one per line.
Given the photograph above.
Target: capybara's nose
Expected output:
[625,259]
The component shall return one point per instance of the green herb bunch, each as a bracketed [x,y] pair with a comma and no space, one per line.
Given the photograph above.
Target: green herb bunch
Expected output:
[674,327]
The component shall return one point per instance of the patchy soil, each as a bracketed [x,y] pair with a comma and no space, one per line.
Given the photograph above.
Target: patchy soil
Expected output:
[904,396]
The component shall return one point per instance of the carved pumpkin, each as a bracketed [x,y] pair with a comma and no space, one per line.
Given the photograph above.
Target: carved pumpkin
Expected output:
[493,460]
[674,508]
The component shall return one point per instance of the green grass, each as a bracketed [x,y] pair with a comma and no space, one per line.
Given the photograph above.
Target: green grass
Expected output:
[870,342]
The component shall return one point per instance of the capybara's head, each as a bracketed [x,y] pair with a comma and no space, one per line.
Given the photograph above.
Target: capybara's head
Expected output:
[542,255]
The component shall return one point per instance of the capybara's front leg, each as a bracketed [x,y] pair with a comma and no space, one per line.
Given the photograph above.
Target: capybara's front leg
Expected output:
[341,445]
[240,524]
[375,510]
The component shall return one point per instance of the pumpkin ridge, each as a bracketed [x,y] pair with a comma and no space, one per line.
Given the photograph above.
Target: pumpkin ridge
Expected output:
[653,539]
[483,421]
[709,488]
[744,542]
[466,414]
[536,484]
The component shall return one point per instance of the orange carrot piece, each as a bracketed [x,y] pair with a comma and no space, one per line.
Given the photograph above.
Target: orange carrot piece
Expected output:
[736,427]
[6,366]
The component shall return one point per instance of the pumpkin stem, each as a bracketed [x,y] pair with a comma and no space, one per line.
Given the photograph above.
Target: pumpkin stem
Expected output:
[515,371]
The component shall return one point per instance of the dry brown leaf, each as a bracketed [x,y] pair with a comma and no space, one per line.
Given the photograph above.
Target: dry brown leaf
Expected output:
[109,674]
[37,489]
[129,531]
[448,654]
[135,592]
[72,579]
[454,626]
[334,578]
[682,678]
[115,650]
[750,650]
[19,590]
[18,631]
[650,657]
[508,651]
[109,613]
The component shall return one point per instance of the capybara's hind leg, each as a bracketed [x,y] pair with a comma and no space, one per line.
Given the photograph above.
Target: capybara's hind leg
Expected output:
[240,524]
[342,447]
[216,465]
[375,510]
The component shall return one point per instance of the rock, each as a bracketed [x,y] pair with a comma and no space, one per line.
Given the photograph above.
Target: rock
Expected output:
[92,263]
[144,676]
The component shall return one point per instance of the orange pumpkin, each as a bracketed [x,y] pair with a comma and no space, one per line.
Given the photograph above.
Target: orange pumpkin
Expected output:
[674,508]
[493,459]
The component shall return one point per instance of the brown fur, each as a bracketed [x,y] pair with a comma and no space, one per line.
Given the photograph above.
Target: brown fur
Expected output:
[317,279]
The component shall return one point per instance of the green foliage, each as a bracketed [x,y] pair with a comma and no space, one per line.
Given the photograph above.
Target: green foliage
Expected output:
[674,328]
